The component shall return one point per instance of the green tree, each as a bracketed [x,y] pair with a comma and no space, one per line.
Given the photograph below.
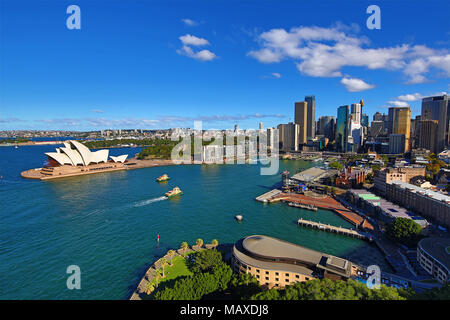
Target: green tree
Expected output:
[163,264]
[335,165]
[207,260]
[442,293]
[184,245]
[405,231]
[326,289]
[171,253]
[149,288]
[199,243]
[214,243]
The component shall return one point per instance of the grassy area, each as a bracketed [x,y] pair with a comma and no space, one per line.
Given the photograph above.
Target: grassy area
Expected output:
[178,269]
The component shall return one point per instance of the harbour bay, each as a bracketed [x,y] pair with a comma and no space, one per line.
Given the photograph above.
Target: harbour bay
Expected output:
[107,223]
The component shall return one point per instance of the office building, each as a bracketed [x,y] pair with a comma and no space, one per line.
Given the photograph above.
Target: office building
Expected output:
[437,108]
[397,143]
[365,120]
[289,135]
[301,118]
[326,127]
[311,117]
[342,126]
[430,204]
[428,136]
[400,118]
[388,175]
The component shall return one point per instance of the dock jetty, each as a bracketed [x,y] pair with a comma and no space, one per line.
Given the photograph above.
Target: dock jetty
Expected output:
[268,196]
[334,229]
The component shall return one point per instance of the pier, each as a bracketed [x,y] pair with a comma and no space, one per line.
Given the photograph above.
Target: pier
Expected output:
[334,229]
[268,196]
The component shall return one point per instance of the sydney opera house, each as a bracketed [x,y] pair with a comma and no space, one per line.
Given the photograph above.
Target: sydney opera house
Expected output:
[76,159]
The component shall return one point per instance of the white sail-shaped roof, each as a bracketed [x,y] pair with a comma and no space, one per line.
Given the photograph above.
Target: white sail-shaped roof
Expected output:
[121,158]
[83,150]
[59,157]
[74,156]
[99,156]
[75,153]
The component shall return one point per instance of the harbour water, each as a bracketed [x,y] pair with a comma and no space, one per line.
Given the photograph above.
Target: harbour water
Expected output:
[107,223]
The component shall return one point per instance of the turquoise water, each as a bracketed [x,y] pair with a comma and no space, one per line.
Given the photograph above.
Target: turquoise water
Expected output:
[107,223]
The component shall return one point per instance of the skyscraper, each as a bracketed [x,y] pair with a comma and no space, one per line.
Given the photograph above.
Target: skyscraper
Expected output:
[356,113]
[401,123]
[289,136]
[311,117]
[365,120]
[342,124]
[428,131]
[301,118]
[326,127]
[437,108]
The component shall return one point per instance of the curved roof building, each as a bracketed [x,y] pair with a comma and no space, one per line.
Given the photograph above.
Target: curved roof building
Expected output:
[75,153]
[433,255]
[275,262]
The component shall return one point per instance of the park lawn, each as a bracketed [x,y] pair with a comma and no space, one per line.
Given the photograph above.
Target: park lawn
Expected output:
[178,269]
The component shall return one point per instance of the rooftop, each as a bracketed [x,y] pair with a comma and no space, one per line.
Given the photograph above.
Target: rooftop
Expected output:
[388,207]
[426,192]
[438,248]
[261,249]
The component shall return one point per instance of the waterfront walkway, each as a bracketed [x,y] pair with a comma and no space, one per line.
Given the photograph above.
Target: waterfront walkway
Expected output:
[338,230]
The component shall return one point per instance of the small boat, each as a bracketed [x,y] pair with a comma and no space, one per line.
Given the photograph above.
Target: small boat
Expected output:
[239,217]
[174,192]
[162,178]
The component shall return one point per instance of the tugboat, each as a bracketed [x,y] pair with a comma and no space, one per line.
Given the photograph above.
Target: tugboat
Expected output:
[162,178]
[174,192]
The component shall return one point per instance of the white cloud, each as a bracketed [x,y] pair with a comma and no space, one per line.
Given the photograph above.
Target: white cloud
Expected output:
[323,52]
[193,40]
[399,103]
[189,22]
[356,85]
[410,97]
[276,75]
[97,111]
[203,55]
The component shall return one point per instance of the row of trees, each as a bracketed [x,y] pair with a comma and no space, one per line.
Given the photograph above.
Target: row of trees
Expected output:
[326,289]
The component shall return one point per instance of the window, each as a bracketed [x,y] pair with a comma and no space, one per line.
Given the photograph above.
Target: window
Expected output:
[277,279]
[297,276]
[257,276]
[287,280]
[267,278]
[287,274]
[257,270]
[267,272]
[249,268]
[276,273]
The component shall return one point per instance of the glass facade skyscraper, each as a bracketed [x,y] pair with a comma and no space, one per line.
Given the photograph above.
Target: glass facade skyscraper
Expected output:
[342,129]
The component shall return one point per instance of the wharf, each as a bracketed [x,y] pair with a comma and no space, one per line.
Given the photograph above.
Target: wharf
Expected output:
[327,203]
[268,196]
[334,229]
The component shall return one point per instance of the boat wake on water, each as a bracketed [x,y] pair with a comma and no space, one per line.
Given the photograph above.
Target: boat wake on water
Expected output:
[146,202]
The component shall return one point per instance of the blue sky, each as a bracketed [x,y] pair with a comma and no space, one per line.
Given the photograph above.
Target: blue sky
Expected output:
[161,64]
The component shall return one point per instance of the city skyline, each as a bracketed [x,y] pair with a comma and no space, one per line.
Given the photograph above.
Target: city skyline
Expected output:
[145,66]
